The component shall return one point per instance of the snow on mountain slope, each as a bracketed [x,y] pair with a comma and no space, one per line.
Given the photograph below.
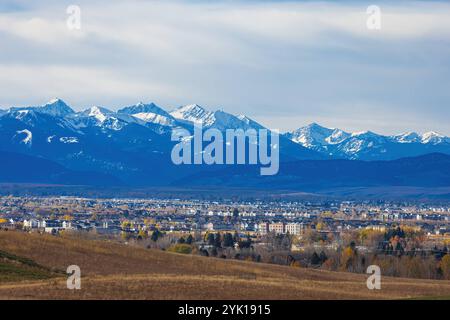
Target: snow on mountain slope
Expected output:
[103,118]
[194,113]
[55,107]
[59,131]
[408,137]
[250,122]
[149,113]
[434,138]
[367,145]
[361,141]
[430,137]
[28,136]
[68,139]
[317,137]
[99,113]
[33,118]
[144,108]
[214,119]
[154,118]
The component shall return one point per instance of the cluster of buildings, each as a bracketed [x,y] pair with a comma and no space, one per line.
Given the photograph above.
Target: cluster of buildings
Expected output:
[54,214]
[293,228]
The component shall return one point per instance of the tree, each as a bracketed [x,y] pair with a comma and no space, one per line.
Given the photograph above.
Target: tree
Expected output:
[218,240]
[210,239]
[235,214]
[315,259]
[156,235]
[320,226]
[323,257]
[228,240]
[348,258]
[142,234]
[126,225]
[245,243]
[445,266]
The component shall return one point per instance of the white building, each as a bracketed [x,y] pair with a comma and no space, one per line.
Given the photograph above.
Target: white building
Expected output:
[32,223]
[262,228]
[277,228]
[294,228]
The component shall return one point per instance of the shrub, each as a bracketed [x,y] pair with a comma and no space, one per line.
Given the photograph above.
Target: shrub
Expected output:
[180,248]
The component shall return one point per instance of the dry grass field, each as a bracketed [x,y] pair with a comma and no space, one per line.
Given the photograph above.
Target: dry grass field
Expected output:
[34,264]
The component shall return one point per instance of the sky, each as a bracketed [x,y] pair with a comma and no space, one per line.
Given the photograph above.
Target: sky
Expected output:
[283,63]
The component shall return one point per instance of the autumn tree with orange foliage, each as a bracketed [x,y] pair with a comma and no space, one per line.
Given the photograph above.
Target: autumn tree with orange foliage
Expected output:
[445,266]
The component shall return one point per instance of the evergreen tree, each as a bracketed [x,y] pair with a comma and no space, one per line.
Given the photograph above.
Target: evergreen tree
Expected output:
[210,239]
[235,236]
[323,257]
[245,243]
[218,240]
[156,235]
[315,259]
[228,240]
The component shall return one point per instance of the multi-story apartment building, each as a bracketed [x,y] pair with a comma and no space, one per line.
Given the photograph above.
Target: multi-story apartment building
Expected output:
[262,228]
[277,227]
[294,228]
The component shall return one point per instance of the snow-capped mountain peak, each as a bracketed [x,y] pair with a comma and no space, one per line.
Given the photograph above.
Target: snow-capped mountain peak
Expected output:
[315,136]
[337,136]
[56,107]
[407,137]
[144,108]
[149,113]
[252,123]
[99,113]
[56,119]
[363,133]
[193,113]
[433,138]
[100,117]
[367,144]
[214,119]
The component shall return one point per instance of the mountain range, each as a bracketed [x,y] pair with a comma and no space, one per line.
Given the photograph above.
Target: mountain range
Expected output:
[368,145]
[132,146]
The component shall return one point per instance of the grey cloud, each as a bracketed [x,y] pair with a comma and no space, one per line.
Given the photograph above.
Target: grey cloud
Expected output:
[284,64]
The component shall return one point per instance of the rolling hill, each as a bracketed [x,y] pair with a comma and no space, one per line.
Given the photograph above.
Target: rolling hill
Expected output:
[111,270]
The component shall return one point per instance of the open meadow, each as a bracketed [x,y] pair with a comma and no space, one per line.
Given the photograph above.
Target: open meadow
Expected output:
[32,266]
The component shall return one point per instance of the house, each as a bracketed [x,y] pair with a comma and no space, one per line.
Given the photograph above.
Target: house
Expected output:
[31,223]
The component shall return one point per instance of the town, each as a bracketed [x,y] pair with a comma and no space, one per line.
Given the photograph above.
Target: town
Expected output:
[55,214]
[333,235]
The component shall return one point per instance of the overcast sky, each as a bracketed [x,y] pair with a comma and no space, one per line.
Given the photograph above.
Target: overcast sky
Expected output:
[284,64]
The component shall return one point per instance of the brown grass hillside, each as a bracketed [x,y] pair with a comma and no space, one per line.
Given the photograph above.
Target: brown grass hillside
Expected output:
[116,271]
